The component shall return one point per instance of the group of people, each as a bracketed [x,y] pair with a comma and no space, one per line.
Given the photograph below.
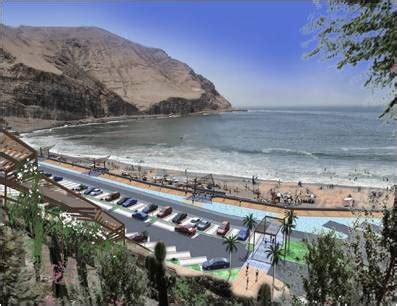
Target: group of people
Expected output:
[246,275]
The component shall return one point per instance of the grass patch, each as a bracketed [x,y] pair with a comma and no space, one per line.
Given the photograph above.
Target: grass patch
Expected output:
[297,251]
[249,247]
[174,261]
[224,273]
[196,267]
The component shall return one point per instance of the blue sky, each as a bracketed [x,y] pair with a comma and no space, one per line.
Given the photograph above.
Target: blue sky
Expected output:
[252,51]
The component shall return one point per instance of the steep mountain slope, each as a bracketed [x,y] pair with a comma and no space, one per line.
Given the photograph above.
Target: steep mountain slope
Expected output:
[73,73]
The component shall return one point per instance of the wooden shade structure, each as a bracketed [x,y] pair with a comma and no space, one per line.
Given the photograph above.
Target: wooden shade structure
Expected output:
[14,152]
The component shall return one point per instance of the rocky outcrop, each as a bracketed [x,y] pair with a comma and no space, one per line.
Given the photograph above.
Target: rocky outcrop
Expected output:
[75,73]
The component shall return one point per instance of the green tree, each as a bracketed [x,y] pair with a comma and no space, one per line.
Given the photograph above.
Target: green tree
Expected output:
[122,281]
[274,253]
[375,261]
[359,31]
[230,244]
[287,228]
[29,211]
[264,297]
[250,223]
[329,271]
[157,272]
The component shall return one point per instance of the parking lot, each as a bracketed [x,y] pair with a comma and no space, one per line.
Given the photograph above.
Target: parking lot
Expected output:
[188,250]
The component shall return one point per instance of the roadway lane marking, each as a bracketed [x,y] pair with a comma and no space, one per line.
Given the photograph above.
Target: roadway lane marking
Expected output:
[193,261]
[195,235]
[122,212]
[165,226]
[178,255]
[170,217]
[154,213]
[102,195]
[232,232]
[137,207]
[212,230]
[188,219]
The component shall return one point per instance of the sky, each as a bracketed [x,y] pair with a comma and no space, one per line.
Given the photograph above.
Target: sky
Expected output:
[252,51]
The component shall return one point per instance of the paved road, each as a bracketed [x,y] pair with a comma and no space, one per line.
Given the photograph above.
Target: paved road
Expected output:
[201,245]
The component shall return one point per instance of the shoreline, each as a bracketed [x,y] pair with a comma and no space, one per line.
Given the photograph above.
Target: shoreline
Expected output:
[22,125]
[325,195]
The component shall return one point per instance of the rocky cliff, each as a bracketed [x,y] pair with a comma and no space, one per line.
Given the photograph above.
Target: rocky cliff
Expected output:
[75,73]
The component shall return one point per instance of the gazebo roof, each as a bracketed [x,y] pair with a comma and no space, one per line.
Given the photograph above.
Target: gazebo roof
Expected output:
[269,226]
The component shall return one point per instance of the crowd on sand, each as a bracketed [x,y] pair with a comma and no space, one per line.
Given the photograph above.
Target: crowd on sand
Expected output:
[274,191]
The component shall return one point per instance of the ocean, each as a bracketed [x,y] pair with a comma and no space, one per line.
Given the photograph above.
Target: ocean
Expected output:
[348,146]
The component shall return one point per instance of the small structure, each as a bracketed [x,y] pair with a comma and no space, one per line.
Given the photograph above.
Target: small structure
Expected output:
[45,151]
[14,152]
[270,227]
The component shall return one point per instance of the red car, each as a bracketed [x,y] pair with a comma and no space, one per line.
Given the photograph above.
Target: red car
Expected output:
[223,228]
[185,229]
[138,237]
[164,212]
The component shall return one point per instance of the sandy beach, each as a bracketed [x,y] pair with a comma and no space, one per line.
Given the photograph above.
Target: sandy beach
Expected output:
[324,196]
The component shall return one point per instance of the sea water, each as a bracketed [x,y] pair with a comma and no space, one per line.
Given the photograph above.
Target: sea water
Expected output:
[349,146]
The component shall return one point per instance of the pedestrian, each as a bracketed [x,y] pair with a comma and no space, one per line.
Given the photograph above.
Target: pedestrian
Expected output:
[256,275]
[246,269]
[246,288]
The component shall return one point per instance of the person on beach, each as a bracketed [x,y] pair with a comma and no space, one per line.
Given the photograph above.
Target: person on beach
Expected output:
[256,275]
[246,287]
[246,269]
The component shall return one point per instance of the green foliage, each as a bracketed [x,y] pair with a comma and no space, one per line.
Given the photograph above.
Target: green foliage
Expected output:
[287,227]
[230,244]
[355,31]
[15,288]
[274,253]
[329,271]
[122,281]
[186,294]
[264,295]
[157,273]
[375,262]
[249,221]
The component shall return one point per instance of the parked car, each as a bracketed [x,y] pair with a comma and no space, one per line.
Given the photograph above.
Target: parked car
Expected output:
[243,234]
[194,221]
[47,174]
[129,202]
[223,228]
[80,188]
[122,200]
[57,178]
[164,212]
[88,190]
[96,192]
[179,218]
[185,229]
[150,208]
[203,225]
[140,215]
[113,196]
[138,237]
[216,263]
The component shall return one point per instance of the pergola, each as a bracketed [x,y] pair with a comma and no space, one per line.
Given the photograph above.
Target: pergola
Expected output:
[14,152]
[269,226]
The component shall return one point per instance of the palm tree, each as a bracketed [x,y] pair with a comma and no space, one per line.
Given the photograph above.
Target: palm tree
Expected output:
[249,222]
[274,253]
[231,246]
[289,225]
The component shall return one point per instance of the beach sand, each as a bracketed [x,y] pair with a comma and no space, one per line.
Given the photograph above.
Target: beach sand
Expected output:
[326,196]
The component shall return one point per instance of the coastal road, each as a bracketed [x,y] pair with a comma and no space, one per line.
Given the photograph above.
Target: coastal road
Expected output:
[201,245]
